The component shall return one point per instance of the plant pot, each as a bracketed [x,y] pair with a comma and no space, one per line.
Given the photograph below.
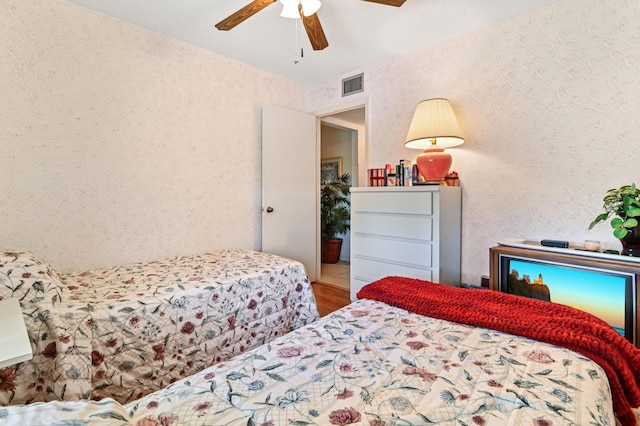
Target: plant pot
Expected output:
[631,242]
[331,250]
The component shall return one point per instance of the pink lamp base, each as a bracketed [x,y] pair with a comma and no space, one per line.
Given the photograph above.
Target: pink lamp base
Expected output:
[434,164]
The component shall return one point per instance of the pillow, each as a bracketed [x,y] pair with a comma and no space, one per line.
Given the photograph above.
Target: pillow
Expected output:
[26,277]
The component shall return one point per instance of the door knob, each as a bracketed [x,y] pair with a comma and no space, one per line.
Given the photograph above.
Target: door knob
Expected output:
[269,209]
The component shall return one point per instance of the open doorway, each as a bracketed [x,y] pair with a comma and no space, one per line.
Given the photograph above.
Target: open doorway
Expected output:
[342,144]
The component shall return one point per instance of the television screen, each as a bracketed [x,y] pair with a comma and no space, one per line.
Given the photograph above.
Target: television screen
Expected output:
[605,295]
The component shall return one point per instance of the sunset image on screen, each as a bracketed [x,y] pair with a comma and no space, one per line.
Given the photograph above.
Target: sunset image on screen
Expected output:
[598,293]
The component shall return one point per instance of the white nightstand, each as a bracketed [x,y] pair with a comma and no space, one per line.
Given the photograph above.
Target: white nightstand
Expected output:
[14,340]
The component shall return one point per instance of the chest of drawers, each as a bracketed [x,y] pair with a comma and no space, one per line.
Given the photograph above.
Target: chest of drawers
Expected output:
[406,231]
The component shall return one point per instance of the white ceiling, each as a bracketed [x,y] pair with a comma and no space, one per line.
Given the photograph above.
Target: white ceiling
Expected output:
[360,33]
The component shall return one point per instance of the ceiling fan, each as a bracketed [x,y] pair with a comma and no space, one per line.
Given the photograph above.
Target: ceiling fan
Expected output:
[304,9]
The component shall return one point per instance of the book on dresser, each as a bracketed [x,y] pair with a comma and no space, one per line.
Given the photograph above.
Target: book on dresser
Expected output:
[411,231]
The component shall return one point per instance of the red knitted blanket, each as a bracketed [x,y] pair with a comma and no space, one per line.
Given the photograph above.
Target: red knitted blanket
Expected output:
[539,320]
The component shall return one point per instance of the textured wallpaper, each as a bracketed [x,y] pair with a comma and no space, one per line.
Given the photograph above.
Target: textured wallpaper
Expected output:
[118,144]
[550,106]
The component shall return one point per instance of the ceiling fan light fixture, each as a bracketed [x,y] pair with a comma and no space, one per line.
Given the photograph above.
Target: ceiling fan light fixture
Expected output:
[290,8]
[309,7]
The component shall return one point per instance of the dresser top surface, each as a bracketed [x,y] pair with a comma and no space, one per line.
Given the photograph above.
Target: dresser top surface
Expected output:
[416,188]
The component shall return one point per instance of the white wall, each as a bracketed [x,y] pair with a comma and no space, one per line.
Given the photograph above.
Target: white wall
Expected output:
[336,142]
[118,144]
[549,102]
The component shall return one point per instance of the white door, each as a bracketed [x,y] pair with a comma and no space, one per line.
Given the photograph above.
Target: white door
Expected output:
[290,185]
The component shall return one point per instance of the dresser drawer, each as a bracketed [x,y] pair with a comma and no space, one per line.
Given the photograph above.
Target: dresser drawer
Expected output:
[370,270]
[393,225]
[393,202]
[406,252]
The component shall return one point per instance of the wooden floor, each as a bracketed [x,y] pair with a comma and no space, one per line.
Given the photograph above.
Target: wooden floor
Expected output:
[337,274]
[329,297]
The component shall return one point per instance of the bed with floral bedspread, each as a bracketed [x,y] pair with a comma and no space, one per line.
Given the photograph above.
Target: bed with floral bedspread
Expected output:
[126,331]
[368,364]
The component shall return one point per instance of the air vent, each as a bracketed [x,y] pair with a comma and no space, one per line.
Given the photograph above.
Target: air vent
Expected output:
[351,85]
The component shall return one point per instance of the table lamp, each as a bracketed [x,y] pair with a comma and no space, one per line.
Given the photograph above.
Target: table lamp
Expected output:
[434,128]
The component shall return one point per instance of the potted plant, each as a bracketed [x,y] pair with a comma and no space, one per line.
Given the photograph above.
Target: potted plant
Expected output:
[624,204]
[334,216]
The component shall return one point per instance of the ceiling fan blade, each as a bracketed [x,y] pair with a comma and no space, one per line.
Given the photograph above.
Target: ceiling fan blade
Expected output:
[241,15]
[314,30]
[396,3]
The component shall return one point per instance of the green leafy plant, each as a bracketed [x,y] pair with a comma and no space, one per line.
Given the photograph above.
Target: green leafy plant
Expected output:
[624,203]
[335,207]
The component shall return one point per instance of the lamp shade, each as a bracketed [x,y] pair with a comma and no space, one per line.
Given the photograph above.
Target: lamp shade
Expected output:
[434,127]
[434,119]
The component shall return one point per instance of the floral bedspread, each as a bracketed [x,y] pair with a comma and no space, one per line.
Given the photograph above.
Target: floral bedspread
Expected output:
[126,331]
[368,364]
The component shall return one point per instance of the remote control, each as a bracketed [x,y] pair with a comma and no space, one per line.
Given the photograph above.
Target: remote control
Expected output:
[555,243]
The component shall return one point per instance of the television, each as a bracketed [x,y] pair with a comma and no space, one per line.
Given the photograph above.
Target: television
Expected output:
[606,294]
